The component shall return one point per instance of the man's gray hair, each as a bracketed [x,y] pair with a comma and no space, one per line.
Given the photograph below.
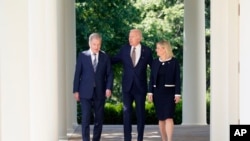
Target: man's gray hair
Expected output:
[94,36]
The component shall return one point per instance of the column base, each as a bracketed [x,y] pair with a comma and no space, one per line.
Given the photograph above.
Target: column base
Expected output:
[63,139]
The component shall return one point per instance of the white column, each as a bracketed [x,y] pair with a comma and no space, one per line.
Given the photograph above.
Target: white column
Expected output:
[14,71]
[62,128]
[244,103]
[0,86]
[70,54]
[32,70]
[224,68]
[43,70]
[194,64]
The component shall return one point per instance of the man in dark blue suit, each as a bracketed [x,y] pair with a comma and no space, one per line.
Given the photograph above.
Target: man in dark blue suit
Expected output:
[135,59]
[93,82]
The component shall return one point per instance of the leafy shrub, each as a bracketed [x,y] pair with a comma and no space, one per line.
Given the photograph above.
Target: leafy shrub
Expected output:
[178,113]
[113,113]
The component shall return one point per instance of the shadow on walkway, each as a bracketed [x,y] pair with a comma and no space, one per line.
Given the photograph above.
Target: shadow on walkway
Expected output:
[181,133]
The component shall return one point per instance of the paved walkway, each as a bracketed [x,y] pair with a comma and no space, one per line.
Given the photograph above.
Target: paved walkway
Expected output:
[181,133]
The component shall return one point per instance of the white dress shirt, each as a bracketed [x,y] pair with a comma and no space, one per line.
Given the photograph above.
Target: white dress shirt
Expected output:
[93,56]
[137,53]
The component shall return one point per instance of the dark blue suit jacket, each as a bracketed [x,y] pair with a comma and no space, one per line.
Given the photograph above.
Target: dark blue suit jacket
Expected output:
[172,75]
[85,77]
[137,74]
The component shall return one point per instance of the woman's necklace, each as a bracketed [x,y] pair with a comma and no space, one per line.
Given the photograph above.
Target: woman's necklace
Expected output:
[164,60]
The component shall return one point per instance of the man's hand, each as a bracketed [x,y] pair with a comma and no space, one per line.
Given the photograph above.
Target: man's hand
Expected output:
[150,97]
[108,93]
[76,95]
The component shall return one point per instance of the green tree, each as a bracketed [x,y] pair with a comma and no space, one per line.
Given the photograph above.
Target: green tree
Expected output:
[158,19]
[207,17]
[162,20]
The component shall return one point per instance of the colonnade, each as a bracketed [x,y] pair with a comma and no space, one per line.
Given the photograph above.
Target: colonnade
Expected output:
[36,69]
[37,58]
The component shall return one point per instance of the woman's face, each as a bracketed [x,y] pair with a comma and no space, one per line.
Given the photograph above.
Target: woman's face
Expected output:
[160,50]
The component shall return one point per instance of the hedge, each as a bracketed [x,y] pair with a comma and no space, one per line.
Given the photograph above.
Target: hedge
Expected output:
[113,114]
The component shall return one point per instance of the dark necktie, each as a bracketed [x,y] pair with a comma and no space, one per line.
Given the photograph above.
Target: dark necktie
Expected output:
[133,56]
[94,62]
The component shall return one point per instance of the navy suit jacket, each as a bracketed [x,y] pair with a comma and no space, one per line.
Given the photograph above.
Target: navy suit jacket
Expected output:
[172,75]
[137,74]
[85,78]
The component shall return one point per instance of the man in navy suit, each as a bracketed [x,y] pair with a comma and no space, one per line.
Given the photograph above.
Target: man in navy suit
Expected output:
[93,82]
[135,59]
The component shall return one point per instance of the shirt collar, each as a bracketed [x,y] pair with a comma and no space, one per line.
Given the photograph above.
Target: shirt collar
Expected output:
[91,52]
[137,46]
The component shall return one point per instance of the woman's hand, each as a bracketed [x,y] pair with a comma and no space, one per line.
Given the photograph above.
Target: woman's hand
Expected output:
[177,98]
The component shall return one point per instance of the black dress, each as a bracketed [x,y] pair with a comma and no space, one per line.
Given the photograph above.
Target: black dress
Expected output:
[163,97]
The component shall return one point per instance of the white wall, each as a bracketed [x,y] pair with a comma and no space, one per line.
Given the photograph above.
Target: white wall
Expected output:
[244,62]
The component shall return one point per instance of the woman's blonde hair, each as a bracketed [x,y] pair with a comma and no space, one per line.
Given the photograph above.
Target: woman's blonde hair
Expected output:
[167,46]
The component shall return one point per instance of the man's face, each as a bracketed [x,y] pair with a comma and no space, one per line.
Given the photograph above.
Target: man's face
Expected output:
[95,45]
[134,38]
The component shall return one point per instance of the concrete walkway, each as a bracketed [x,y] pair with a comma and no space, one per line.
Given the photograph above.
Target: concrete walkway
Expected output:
[181,133]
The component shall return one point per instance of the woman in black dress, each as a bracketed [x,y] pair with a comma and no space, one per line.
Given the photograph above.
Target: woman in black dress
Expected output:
[164,88]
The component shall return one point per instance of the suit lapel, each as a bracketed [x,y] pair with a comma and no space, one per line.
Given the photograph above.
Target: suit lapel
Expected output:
[89,60]
[140,58]
[142,54]
[129,56]
[100,60]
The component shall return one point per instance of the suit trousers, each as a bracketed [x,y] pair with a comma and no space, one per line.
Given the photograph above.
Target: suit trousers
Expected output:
[87,105]
[128,98]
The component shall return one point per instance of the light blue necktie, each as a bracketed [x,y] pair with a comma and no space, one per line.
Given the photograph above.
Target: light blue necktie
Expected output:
[94,62]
